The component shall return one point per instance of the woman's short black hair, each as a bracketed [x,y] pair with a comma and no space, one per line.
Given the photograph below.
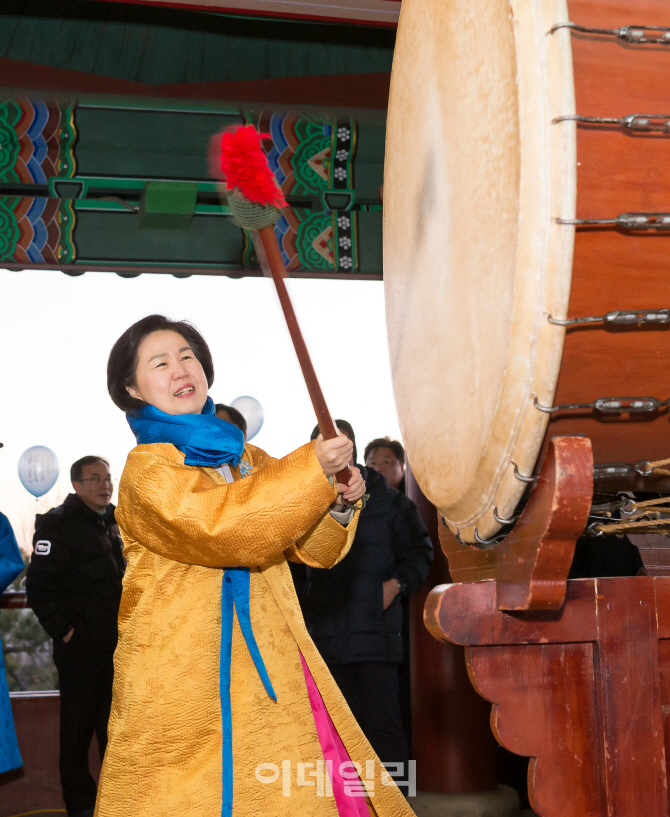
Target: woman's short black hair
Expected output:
[122,362]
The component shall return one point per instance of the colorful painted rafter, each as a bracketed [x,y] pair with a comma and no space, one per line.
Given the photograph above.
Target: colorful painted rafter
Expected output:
[36,141]
[312,158]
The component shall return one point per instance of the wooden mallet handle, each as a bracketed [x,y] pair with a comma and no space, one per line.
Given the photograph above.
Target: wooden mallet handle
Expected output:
[272,264]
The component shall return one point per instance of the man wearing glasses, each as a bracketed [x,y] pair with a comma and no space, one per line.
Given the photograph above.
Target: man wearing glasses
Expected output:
[74,587]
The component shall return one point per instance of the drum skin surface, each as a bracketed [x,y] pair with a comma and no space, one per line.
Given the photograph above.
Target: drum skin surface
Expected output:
[474,260]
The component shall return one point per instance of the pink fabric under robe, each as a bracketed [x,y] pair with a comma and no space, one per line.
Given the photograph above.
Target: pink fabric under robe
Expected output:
[334,754]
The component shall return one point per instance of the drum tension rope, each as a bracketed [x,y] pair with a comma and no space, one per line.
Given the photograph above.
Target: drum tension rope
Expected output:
[648,516]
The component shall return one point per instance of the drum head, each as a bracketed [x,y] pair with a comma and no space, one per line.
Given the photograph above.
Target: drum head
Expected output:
[475,176]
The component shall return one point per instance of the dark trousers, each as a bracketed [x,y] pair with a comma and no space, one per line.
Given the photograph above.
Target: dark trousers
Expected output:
[371,688]
[85,675]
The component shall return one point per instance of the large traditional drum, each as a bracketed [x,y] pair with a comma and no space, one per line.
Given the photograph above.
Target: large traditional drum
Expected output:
[527,242]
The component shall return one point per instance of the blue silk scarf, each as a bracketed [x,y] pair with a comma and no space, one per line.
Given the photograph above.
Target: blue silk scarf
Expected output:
[203,438]
[207,441]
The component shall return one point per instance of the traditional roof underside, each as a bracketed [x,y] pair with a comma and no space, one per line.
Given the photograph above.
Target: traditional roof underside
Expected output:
[371,12]
[156,45]
[102,100]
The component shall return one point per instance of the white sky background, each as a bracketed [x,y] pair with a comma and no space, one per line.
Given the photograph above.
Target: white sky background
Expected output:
[57,331]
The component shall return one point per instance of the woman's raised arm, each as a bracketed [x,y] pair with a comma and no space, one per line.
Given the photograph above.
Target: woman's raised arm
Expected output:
[178,512]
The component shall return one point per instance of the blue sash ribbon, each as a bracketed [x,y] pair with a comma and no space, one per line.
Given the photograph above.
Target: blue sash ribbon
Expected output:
[235,595]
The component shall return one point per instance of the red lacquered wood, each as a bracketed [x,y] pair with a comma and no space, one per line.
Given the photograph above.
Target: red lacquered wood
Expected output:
[13,599]
[269,256]
[585,691]
[664,662]
[533,562]
[632,747]
[468,614]
[663,609]
[559,734]
[468,563]
[618,173]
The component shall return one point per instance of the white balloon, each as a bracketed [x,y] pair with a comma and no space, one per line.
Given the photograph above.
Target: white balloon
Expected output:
[252,411]
[38,469]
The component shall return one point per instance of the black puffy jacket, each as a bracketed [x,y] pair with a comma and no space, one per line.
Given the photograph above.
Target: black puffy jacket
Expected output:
[343,606]
[74,576]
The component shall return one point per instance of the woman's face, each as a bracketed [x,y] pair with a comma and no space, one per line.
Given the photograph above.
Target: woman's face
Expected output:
[168,374]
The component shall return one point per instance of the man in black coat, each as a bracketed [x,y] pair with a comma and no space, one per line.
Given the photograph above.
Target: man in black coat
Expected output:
[353,610]
[74,587]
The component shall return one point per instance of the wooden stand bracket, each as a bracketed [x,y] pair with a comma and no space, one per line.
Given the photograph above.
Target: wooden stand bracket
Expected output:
[584,691]
[531,565]
[578,671]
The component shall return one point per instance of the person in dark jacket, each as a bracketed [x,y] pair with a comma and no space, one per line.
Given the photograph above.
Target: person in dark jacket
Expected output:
[353,611]
[229,414]
[387,457]
[74,587]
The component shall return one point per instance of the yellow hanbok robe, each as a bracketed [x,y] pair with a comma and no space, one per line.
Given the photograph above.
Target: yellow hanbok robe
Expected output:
[180,526]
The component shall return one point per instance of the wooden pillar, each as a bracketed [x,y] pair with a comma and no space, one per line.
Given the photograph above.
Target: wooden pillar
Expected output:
[452,742]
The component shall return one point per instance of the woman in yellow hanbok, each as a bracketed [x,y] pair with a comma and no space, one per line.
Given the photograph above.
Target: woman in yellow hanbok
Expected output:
[222,705]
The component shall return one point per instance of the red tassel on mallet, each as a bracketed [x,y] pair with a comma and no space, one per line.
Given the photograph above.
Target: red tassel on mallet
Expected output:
[237,159]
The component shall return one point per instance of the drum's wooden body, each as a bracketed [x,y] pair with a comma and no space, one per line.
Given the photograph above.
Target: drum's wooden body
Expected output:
[477,175]
[618,173]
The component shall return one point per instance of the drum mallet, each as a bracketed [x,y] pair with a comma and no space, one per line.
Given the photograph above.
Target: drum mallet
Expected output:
[251,190]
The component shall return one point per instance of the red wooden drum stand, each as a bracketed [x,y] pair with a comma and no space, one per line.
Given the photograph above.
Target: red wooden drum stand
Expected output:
[578,671]
[584,692]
